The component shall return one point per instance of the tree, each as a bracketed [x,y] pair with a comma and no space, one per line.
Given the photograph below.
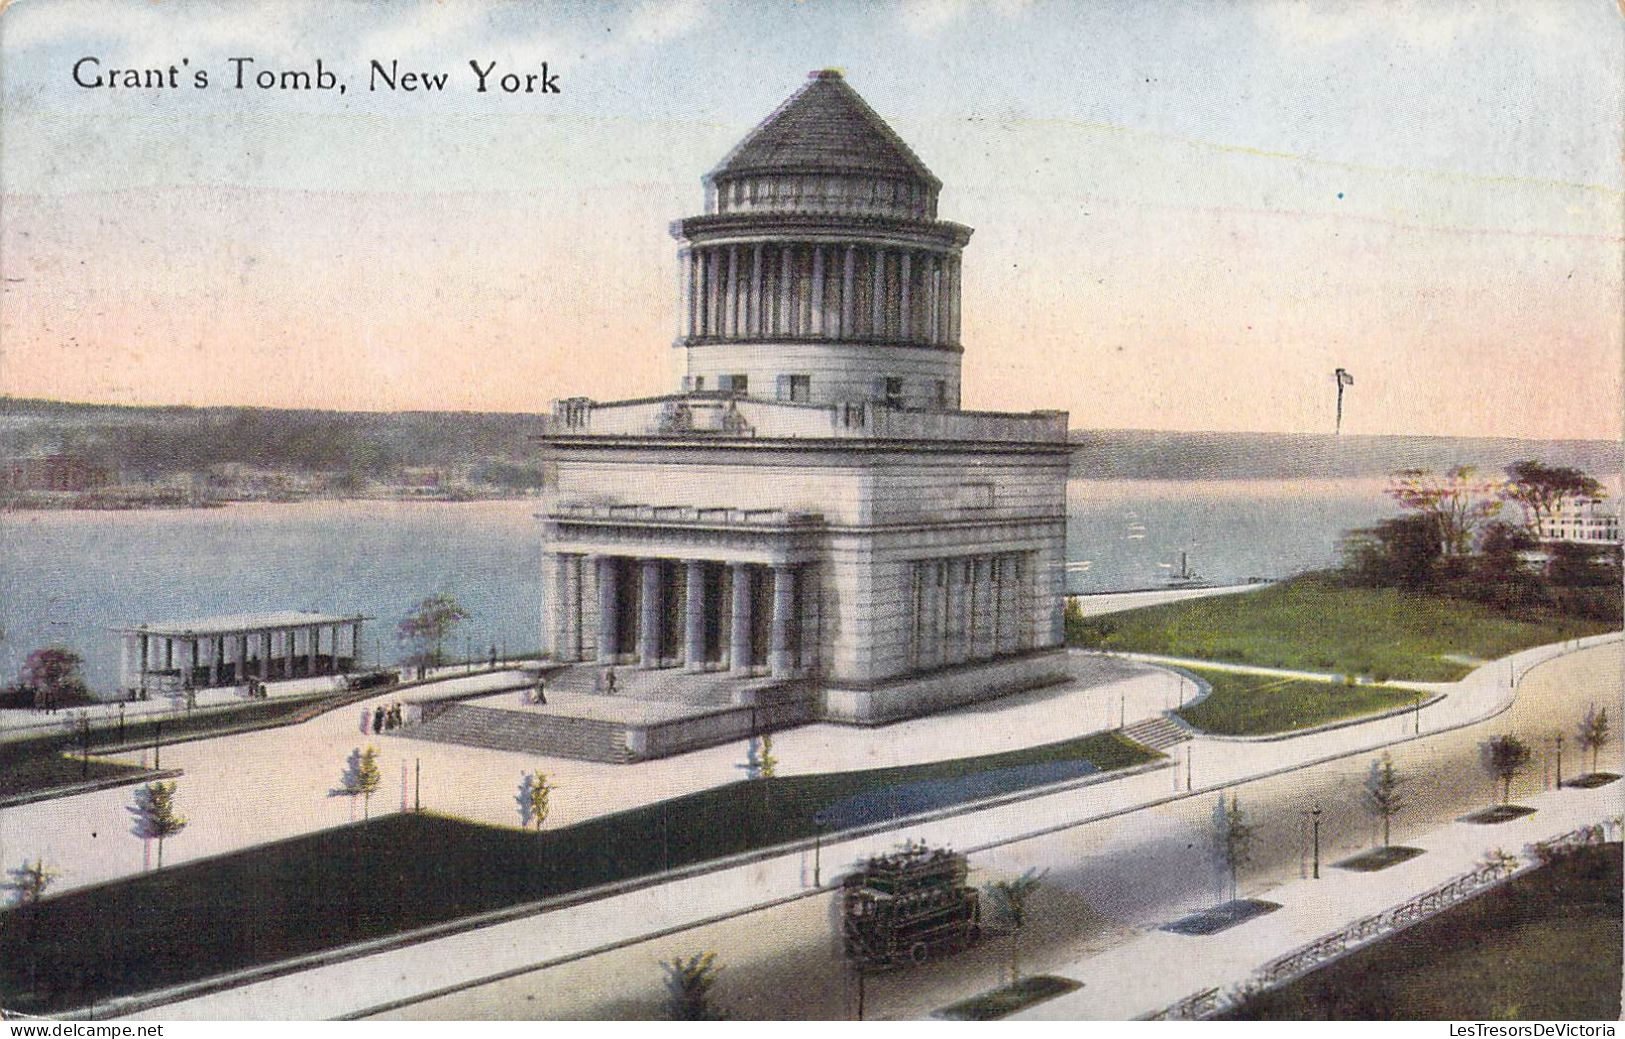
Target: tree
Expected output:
[767,766]
[1505,758]
[428,625]
[1013,894]
[155,815]
[1594,733]
[362,778]
[1383,798]
[540,788]
[1235,840]
[1455,503]
[52,677]
[688,987]
[1542,489]
[30,880]
[1402,551]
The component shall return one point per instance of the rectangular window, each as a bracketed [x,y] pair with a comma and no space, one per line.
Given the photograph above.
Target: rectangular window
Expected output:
[799,387]
[699,384]
[894,391]
[733,384]
[942,393]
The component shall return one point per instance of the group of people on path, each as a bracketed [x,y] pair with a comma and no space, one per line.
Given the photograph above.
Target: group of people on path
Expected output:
[383,718]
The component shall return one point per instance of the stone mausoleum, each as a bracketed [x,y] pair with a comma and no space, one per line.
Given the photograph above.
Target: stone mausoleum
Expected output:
[811,513]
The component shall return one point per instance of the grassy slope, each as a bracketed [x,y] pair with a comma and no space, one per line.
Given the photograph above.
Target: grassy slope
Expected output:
[1544,947]
[37,763]
[1313,623]
[334,887]
[1256,705]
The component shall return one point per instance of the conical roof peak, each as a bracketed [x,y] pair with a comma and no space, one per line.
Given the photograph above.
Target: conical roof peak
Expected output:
[825,127]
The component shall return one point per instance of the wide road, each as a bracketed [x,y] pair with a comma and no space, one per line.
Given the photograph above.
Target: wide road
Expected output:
[1107,881]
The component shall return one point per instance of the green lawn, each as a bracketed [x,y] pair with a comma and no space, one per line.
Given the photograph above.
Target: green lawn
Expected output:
[1257,705]
[35,764]
[1545,947]
[28,773]
[1314,623]
[400,872]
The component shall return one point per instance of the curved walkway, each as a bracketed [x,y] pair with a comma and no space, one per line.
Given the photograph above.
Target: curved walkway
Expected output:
[474,957]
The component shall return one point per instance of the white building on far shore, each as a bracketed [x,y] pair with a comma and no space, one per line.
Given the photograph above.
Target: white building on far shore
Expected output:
[1583,521]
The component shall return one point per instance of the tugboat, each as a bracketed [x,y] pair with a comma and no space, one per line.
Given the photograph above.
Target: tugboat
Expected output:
[1184,578]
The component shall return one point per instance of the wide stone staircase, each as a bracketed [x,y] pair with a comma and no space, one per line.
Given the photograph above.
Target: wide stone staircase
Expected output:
[550,735]
[1158,733]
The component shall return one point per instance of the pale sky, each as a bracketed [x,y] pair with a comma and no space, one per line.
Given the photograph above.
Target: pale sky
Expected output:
[1187,215]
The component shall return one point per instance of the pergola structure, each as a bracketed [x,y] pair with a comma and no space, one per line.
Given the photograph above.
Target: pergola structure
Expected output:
[213,652]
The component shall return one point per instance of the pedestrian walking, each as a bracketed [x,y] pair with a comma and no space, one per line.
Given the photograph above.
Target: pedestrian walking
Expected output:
[378,718]
[541,691]
[609,679]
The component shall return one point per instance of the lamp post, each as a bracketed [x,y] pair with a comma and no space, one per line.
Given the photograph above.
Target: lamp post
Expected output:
[1418,712]
[1314,820]
[1558,739]
[818,842]
[121,723]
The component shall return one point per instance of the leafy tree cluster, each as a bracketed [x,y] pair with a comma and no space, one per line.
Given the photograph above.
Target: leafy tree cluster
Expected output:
[52,677]
[1453,540]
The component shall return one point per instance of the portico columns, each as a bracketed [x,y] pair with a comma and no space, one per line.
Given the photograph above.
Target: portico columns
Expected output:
[739,643]
[848,270]
[649,618]
[782,659]
[608,593]
[217,650]
[694,618]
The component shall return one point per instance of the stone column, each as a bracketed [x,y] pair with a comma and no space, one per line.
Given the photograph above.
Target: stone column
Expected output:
[608,595]
[904,276]
[693,303]
[782,657]
[816,326]
[694,618]
[356,653]
[144,644]
[878,301]
[217,649]
[953,301]
[739,644]
[713,293]
[559,635]
[683,293]
[933,287]
[754,325]
[786,316]
[730,312]
[848,279]
[313,645]
[649,615]
[573,606]
[265,655]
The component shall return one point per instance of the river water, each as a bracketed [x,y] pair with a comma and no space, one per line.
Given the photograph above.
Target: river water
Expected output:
[72,577]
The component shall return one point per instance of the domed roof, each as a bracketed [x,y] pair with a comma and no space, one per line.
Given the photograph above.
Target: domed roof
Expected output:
[825,127]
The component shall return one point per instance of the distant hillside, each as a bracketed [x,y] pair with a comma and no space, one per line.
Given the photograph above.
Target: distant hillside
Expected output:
[1135,454]
[157,443]
[153,443]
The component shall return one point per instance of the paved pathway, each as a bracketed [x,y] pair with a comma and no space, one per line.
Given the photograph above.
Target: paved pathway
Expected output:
[1117,602]
[463,959]
[288,773]
[1159,968]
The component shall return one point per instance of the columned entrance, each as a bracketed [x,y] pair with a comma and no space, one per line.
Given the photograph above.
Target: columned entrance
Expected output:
[700,615]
